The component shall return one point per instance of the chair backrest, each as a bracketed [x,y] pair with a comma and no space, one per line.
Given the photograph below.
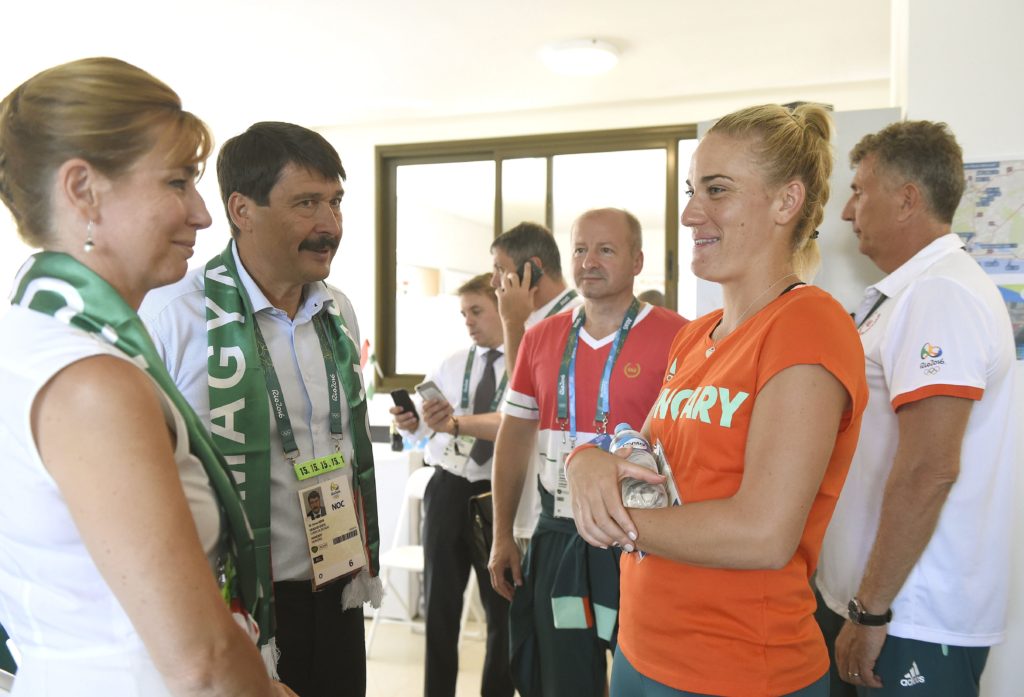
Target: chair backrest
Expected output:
[416,484]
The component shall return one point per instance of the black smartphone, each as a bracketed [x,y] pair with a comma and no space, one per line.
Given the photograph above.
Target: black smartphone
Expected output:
[402,399]
[535,272]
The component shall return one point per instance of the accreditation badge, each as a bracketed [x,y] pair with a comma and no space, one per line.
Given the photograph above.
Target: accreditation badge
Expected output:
[456,454]
[332,530]
[563,497]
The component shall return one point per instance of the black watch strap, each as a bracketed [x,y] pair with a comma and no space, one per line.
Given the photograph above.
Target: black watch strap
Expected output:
[858,615]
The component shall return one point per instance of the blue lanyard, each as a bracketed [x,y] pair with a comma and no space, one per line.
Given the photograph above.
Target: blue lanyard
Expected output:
[567,373]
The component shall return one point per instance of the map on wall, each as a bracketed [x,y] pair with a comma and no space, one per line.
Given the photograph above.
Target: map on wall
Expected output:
[990,220]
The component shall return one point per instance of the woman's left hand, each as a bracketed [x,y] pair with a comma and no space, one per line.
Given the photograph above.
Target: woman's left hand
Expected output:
[594,480]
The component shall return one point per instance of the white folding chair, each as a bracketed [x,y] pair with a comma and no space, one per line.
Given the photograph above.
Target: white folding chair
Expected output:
[408,557]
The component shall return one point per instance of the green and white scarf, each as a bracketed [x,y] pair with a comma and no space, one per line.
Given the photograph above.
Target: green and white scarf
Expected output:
[240,406]
[58,285]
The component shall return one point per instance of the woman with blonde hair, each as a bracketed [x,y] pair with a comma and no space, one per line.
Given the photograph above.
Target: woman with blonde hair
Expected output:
[758,418]
[127,564]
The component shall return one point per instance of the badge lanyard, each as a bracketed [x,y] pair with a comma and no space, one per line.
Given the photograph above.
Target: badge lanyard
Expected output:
[567,373]
[280,409]
[882,297]
[566,299]
[464,404]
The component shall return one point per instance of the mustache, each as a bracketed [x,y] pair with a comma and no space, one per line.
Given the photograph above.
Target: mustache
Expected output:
[320,243]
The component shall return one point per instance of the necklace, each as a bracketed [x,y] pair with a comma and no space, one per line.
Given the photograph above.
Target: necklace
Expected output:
[711,349]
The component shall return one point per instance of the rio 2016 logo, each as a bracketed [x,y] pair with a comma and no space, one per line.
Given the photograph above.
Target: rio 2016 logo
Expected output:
[931,359]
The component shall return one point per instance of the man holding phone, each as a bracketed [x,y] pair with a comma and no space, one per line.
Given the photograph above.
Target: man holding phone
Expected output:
[459,411]
[528,278]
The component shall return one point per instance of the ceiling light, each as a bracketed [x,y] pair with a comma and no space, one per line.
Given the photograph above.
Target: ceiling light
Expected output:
[580,57]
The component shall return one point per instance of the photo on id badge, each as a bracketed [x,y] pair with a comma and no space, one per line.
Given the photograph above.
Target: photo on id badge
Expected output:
[315,504]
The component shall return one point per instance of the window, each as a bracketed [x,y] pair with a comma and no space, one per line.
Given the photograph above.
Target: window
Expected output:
[441,204]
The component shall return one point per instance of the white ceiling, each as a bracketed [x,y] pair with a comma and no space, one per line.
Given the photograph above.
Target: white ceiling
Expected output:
[356,62]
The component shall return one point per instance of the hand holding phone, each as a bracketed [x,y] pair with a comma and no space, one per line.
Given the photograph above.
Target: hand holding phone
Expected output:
[403,401]
[437,410]
[535,272]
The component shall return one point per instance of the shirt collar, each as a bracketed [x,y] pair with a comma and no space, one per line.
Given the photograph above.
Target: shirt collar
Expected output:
[903,276]
[482,351]
[315,295]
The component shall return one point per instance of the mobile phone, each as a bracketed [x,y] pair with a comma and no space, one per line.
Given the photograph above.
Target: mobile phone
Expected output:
[402,399]
[535,272]
[428,390]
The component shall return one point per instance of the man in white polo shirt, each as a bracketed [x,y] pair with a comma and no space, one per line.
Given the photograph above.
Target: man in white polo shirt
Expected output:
[914,571]
[528,278]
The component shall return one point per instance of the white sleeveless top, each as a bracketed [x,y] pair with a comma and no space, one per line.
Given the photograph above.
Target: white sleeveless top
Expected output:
[71,632]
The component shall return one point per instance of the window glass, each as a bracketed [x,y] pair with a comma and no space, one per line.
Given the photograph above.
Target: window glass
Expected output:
[630,179]
[445,221]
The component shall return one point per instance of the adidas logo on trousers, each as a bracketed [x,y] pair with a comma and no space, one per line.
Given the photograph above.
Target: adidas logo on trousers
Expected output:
[912,676]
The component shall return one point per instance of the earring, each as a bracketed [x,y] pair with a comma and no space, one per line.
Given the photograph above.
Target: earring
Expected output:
[89,244]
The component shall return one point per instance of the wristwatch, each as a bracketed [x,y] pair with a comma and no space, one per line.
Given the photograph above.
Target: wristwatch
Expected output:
[859,616]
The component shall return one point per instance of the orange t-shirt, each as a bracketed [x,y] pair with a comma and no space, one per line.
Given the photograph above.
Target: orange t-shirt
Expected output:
[725,631]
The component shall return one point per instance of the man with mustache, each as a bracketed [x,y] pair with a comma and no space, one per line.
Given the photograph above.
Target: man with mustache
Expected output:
[267,354]
[577,375]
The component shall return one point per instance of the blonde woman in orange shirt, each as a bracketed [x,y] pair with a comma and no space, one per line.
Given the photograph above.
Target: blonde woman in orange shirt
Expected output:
[758,416]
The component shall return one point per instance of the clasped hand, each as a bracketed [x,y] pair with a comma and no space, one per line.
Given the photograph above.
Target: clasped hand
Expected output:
[595,478]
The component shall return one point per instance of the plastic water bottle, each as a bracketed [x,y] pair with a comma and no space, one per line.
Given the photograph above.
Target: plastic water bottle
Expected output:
[637,493]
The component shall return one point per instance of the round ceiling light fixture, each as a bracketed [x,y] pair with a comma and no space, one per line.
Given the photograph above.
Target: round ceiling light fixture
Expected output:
[580,57]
